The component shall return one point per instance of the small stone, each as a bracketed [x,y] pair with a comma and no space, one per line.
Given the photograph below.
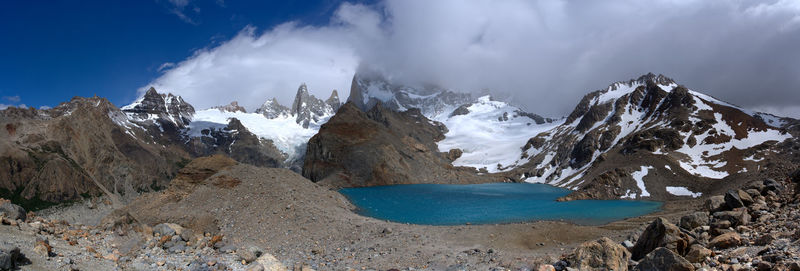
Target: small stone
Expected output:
[387,231]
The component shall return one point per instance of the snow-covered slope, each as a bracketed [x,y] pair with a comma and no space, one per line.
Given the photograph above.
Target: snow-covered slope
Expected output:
[489,133]
[707,138]
[286,134]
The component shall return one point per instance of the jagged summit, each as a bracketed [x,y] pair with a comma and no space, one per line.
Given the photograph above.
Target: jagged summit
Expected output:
[155,106]
[306,108]
[333,100]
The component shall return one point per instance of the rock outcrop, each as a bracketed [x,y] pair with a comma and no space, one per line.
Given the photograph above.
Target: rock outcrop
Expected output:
[380,147]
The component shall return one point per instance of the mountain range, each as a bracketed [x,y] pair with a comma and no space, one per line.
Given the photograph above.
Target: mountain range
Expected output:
[646,138]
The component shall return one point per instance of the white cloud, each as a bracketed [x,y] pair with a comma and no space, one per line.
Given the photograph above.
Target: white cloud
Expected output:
[546,53]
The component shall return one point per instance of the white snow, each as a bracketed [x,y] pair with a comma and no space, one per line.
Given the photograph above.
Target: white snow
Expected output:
[288,136]
[638,176]
[682,191]
[486,141]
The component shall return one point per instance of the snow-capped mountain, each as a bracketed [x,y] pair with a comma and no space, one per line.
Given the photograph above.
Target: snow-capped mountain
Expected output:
[483,132]
[308,110]
[288,129]
[164,107]
[658,132]
[272,109]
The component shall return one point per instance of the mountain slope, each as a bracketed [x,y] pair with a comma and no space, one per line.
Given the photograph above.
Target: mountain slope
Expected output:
[646,134]
[80,148]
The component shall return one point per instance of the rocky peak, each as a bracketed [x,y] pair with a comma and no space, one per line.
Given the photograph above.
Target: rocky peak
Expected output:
[232,107]
[333,100]
[164,107]
[272,109]
[307,108]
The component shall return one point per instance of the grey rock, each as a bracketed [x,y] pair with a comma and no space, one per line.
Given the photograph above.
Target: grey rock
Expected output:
[177,248]
[663,259]
[228,249]
[250,254]
[715,203]
[10,257]
[694,220]
[661,233]
[164,230]
[13,211]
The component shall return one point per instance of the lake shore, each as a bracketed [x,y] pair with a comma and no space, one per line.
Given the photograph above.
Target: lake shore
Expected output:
[303,224]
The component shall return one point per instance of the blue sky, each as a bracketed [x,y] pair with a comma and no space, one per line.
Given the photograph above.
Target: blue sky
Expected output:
[54,50]
[544,54]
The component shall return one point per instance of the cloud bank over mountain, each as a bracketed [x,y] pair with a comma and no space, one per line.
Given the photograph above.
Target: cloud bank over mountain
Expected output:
[545,54]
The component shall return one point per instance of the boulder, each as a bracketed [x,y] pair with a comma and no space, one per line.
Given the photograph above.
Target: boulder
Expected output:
[697,253]
[661,233]
[168,229]
[737,217]
[732,200]
[249,255]
[772,185]
[266,262]
[745,197]
[42,247]
[601,254]
[10,257]
[694,220]
[12,211]
[726,240]
[715,203]
[663,259]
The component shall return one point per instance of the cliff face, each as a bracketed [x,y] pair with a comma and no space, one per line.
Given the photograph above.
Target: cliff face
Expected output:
[381,147]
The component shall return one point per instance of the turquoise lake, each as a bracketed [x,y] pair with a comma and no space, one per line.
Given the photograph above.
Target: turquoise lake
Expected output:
[493,203]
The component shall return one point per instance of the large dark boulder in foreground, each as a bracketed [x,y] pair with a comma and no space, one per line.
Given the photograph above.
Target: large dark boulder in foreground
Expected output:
[381,147]
[661,233]
[663,259]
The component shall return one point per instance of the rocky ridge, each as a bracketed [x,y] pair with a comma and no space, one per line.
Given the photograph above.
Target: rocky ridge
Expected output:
[665,128]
